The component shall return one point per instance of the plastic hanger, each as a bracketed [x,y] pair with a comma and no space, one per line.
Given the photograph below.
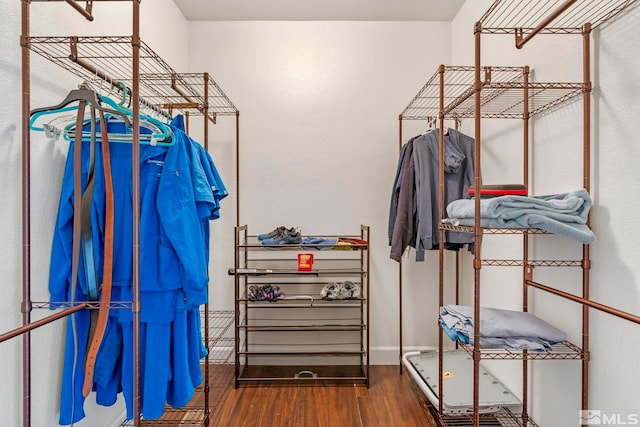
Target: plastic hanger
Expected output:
[161,134]
[77,95]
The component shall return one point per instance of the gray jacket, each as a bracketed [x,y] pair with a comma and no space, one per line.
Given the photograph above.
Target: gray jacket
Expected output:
[459,158]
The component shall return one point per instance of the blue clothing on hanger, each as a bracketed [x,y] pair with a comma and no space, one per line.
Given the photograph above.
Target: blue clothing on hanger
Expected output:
[176,203]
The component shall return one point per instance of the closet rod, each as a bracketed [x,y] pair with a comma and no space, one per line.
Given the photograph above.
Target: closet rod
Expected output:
[45,321]
[74,57]
[175,87]
[521,41]
[86,12]
[605,308]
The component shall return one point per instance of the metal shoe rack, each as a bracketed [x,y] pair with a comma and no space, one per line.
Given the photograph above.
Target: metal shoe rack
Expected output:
[486,92]
[131,68]
[301,338]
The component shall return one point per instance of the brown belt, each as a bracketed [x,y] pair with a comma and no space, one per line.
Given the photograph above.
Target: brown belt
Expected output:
[99,322]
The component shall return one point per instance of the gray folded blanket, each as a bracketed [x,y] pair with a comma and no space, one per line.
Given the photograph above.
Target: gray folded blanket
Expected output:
[509,329]
[564,214]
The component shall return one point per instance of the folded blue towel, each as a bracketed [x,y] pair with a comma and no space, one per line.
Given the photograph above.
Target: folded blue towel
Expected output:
[564,214]
[500,328]
[319,243]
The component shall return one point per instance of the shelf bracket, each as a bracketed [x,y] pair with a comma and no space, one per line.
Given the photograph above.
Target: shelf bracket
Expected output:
[86,11]
[521,39]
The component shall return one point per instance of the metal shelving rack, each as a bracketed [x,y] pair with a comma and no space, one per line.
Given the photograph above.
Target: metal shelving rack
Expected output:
[128,67]
[525,20]
[323,340]
[506,93]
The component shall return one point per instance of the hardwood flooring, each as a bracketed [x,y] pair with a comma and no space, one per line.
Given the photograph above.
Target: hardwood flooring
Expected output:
[389,401]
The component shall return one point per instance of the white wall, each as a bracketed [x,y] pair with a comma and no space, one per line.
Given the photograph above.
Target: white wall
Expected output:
[556,156]
[49,86]
[319,103]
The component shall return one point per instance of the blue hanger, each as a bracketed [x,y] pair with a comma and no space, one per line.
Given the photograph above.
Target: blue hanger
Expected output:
[161,133]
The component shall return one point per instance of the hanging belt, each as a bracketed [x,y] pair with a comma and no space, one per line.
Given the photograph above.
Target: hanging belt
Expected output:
[99,320]
[91,273]
[77,226]
[83,236]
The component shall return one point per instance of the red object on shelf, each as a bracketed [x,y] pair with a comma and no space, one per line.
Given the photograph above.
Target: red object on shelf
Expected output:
[500,190]
[305,262]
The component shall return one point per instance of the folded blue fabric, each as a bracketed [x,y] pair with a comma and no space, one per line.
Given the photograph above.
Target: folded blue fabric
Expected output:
[319,243]
[564,214]
[500,328]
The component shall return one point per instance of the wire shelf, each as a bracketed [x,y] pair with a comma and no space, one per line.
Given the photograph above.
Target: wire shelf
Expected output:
[509,16]
[502,418]
[469,229]
[502,94]
[506,100]
[561,351]
[221,340]
[533,263]
[457,82]
[69,304]
[186,91]
[112,56]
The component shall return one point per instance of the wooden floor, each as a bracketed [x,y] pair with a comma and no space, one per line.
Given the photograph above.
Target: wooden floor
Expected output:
[389,401]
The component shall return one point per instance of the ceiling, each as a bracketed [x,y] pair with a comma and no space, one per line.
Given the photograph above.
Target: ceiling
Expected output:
[319,10]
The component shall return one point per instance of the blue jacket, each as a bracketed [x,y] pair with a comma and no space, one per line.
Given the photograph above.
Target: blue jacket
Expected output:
[176,201]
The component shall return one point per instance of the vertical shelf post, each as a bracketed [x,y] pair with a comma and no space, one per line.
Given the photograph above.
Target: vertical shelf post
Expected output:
[477,230]
[441,232]
[205,111]
[525,239]
[135,159]
[26,217]
[400,346]
[586,258]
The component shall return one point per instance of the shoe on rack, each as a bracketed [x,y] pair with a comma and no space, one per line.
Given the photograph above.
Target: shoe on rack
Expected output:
[348,290]
[265,292]
[290,236]
[272,234]
[330,291]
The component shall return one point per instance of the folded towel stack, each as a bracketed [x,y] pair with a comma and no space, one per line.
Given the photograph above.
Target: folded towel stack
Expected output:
[565,214]
[508,329]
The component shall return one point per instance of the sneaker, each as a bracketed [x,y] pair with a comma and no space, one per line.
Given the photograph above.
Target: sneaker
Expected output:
[348,290]
[272,234]
[288,237]
[265,292]
[330,291]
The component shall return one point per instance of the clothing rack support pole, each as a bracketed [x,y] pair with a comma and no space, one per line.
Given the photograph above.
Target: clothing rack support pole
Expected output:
[135,158]
[237,168]
[26,217]
[206,306]
[186,122]
[586,257]
[400,348]
[456,123]
[477,230]
[441,234]
[205,110]
[525,238]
